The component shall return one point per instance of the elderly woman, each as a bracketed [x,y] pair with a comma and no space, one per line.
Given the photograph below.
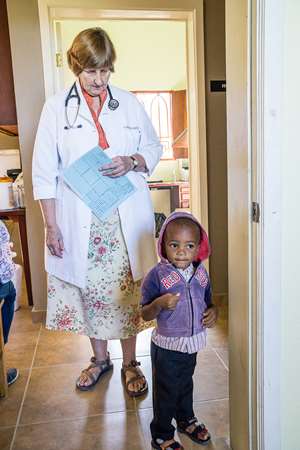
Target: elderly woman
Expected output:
[95,266]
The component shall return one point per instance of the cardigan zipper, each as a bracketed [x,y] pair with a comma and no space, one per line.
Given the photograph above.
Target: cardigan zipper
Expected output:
[192,307]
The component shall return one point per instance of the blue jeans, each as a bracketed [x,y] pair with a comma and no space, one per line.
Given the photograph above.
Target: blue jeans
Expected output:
[8,294]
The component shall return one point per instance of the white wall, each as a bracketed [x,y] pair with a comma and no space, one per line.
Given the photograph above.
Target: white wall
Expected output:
[151,55]
[290,236]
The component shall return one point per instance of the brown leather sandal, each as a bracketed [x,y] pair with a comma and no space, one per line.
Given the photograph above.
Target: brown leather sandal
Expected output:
[200,433]
[105,365]
[133,367]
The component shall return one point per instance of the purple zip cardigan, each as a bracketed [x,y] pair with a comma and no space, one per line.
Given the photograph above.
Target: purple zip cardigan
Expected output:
[195,295]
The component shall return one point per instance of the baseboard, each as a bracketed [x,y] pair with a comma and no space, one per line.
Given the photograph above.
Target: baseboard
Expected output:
[38,315]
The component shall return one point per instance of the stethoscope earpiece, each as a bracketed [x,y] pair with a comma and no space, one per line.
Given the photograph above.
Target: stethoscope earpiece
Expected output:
[67,128]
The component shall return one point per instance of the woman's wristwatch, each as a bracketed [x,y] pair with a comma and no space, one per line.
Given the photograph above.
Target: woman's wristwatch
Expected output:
[135,162]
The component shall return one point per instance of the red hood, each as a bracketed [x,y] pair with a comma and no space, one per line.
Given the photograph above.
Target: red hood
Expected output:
[204,248]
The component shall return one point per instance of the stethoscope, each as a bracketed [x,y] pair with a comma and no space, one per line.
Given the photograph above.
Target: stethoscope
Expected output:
[113,104]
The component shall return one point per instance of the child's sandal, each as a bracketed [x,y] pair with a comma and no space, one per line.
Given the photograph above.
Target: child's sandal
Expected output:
[200,434]
[158,444]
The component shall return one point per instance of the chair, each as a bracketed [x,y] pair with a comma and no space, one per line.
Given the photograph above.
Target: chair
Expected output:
[3,379]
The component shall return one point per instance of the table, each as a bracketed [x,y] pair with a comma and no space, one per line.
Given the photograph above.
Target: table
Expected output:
[174,192]
[19,215]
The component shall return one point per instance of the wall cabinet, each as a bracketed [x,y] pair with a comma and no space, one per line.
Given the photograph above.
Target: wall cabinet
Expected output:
[8,114]
[179,124]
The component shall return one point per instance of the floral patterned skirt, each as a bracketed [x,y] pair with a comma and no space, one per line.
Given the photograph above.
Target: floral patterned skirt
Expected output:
[109,305]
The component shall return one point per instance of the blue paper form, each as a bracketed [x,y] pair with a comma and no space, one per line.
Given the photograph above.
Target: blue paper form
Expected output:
[100,193]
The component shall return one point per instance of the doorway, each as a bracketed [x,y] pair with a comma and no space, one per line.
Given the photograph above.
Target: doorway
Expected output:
[196,134]
[195,88]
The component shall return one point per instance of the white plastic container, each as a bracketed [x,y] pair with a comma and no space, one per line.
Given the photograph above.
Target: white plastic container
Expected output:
[6,193]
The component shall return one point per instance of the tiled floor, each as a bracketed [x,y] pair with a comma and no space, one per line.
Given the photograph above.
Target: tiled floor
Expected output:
[44,410]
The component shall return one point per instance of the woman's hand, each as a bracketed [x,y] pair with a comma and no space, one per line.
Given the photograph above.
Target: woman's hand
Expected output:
[119,166]
[54,241]
[210,317]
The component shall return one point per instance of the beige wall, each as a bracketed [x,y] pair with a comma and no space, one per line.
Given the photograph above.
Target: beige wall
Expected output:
[238,220]
[29,90]
[214,24]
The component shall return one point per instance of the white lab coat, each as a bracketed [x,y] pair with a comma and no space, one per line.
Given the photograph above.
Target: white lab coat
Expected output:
[128,130]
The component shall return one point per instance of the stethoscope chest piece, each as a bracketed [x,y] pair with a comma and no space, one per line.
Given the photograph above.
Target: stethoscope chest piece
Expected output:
[113,104]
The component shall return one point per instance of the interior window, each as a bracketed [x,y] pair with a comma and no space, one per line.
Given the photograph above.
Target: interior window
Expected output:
[159,108]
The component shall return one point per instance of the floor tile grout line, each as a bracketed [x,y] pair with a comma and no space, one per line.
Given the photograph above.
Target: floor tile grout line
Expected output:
[50,366]
[219,357]
[131,411]
[212,400]
[76,418]
[140,429]
[198,402]
[78,363]
[25,392]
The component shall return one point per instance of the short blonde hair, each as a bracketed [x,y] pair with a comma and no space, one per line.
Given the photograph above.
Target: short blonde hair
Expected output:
[91,48]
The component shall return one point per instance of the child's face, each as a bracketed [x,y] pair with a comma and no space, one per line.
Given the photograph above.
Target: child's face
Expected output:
[181,244]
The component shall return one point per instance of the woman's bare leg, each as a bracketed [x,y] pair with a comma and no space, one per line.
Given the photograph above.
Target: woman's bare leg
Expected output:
[129,354]
[128,349]
[100,348]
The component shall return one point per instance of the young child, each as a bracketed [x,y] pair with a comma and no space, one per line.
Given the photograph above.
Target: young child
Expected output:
[7,291]
[177,293]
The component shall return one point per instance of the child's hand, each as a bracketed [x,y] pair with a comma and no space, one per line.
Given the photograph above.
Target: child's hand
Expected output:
[210,317]
[168,301]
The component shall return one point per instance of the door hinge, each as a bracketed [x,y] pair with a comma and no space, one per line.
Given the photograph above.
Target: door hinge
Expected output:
[59,59]
[255,212]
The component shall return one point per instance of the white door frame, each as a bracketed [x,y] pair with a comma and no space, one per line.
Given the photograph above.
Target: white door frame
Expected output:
[266,119]
[254,68]
[195,88]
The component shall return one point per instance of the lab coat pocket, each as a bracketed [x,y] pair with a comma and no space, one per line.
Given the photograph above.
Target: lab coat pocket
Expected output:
[132,139]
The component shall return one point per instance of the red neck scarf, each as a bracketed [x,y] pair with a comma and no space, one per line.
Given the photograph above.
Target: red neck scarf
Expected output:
[89,99]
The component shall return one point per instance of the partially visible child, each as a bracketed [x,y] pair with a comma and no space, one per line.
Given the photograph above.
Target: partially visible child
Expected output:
[7,291]
[177,293]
